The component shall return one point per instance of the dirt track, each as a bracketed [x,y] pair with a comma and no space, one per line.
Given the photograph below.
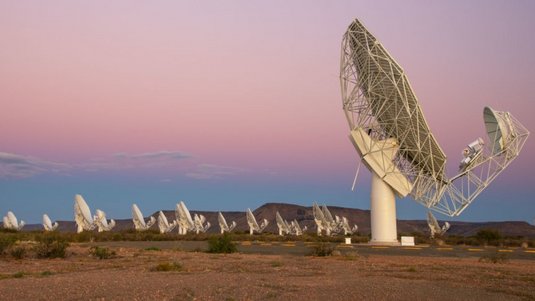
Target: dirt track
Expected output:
[263,277]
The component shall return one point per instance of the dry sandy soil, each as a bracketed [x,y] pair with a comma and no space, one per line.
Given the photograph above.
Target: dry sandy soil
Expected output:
[203,276]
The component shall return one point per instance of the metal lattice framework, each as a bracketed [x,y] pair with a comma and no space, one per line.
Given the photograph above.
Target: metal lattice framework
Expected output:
[393,138]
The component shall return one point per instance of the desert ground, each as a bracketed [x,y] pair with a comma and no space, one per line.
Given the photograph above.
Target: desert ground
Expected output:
[133,275]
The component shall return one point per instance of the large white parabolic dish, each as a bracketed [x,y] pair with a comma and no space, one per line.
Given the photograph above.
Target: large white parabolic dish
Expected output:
[393,139]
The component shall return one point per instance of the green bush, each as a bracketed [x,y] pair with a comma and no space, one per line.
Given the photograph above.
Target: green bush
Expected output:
[46,273]
[102,252]
[18,252]
[167,267]
[322,249]
[18,275]
[221,244]
[153,249]
[6,241]
[489,236]
[51,246]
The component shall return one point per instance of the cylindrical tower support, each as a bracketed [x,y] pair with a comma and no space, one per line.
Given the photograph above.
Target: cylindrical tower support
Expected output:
[383,213]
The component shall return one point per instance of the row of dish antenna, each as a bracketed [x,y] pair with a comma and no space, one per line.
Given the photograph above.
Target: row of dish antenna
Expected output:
[322,217]
[186,223]
[10,222]
[325,223]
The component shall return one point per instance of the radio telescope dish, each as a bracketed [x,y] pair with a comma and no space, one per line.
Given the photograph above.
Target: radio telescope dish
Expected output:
[199,222]
[10,222]
[434,227]
[47,224]
[284,227]
[82,215]
[253,225]
[102,222]
[296,228]
[347,229]
[223,223]
[183,219]
[164,225]
[139,220]
[319,219]
[393,139]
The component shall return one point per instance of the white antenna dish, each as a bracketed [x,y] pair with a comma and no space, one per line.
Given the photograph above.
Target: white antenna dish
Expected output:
[253,225]
[11,223]
[390,134]
[296,229]
[82,215]
[223,223]
[164,225]
[347,229]
[183,219]
[199,222]
[319,219]
[434,227]
[325,221]
[284,227]
[102,222]
[139,220]
[47,224]
[500,129]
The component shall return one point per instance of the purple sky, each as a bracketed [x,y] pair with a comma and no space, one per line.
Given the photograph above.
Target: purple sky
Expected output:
[228,105]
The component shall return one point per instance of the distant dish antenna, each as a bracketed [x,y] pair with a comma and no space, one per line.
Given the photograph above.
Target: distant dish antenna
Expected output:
[253,225]
[347,229]
[296,228]
[319,219]
[47,224]
[332,226]
[183,219]
[284,227]
[434,227]
[391,136]
[139,220]
[201,225]
[164,225]
[10,222]
[102,223]
[223,224]
[82,215]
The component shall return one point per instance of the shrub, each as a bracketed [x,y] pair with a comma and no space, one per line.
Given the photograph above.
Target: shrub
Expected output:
[18,275]
[18,252]
[85,236]
[6,241]
[276,264]
[221,244]
[51,246]
[489,236]
[167,267]
[153,249]
[46,273]
[351,255]
[102,252]
[322,249]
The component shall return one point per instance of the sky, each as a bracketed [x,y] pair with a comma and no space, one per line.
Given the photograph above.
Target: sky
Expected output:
[227,105]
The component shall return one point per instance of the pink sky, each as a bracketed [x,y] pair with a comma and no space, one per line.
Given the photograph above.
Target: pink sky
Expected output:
[249,84]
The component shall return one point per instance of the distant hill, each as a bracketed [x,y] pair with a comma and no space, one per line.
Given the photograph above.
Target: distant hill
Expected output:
[305,218]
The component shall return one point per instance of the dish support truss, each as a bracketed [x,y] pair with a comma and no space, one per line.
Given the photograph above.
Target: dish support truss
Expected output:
[393,139]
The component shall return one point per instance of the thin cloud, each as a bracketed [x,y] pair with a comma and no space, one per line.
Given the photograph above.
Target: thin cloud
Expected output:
[20,166]
[213,171]
[155,155]
[123,160]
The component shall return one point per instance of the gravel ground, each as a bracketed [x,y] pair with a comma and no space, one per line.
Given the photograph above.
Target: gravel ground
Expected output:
[202,276]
